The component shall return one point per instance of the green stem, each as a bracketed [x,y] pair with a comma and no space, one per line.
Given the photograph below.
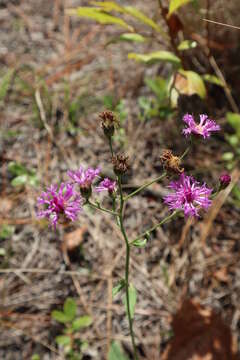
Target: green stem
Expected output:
[99,207]
[145,185]
[166,219]
[120,216]
[110,145]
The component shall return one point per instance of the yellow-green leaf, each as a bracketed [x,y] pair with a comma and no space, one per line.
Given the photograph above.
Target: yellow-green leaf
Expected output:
[144,19]
[187,83]
[132,37]
[132,300]
[108,6]
[213,80]
[99,16]
[175,4]
[156,57]
[187,44]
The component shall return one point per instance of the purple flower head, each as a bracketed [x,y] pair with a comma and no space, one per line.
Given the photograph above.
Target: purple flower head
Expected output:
[57,204]
[83,177]
[106,184]
[224,180]
[204,128]
[188,196]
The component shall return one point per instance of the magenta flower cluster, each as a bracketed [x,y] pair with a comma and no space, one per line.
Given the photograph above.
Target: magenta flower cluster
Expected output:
[188,195]
[57,203]
[65,203]
[204,128]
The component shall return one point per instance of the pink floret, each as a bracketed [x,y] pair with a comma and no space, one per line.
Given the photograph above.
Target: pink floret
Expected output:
[188,196]
[204,128]
[54,203]
[106,184]
[83,177]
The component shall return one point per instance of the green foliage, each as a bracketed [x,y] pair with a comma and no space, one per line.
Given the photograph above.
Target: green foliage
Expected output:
[22,175]
[139,243]
[176,4]
[5,83]
[213,79]
[186,45]
[118,287]
[70,308]
[132,300]
[188,83]
[73,347]
[132,37]
[81,322]
[35,357]
[116,352]
[99,16]
[6,231]
[156,56]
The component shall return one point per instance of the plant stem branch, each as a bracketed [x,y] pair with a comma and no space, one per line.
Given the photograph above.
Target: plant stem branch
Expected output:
[166,219]
[99,207]
[120,216]
[144,186]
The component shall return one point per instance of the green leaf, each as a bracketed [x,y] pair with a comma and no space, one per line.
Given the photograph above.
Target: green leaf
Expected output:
[70,308]
[139,243]
[35,357]
[5,83]
[6,231]
[63,340]
[20,180]
[108,6]
[116,352]
[213,80]
[60,316]
[156,57]
[81,322]
[158,86]
[132,300]
[16,168]
[144,19]
[99,16]
[2,252]
[187,44]
[132,37]
[130,10]
[234,120]
[228,156]
[187,83]
[118,287]
[175,4]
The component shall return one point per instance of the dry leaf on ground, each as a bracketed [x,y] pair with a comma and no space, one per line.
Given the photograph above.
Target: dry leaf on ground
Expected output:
[200,334]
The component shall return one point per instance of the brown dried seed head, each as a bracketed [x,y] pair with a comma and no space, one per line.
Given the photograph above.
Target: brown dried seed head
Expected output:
[109,122]
[120,164]
[170,162]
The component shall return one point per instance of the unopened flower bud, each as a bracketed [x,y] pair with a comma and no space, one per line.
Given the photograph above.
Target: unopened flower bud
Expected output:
[224,181]
[120,164]
[109,123]
[170,162]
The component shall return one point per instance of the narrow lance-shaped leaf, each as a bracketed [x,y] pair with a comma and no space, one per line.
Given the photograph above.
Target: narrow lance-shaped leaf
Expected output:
[116,352]
[132,300]
[99,16]
[175,4]
[213,79]
[118,287]
[187,44]
[156,56]
[130,10]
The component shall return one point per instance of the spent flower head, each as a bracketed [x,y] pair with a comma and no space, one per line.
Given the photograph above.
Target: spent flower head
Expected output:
[59,204]
[204,128]
[106,184]
[188,196]
[120,164]
[109,122]
[170,162]
[224,181]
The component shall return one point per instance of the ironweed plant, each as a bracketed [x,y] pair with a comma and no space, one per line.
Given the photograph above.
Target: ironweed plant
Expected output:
[64,203]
